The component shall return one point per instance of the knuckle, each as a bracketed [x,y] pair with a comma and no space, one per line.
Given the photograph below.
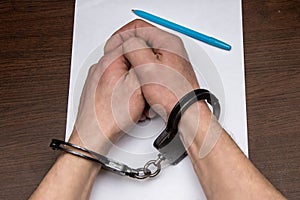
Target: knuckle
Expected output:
[92,68]
[104,61]
[141,23]
[175,39]
[138,21]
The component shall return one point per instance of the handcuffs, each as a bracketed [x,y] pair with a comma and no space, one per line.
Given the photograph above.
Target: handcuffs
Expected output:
[168,143]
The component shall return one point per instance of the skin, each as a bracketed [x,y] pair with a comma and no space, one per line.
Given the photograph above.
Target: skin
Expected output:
[163,73]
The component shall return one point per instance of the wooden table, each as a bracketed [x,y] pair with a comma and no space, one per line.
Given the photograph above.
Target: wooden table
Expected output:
[35,54]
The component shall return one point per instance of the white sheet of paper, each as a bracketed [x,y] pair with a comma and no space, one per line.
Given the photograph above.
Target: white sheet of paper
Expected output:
[222,72]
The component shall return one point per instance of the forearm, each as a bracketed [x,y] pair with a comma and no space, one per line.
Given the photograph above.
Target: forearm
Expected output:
[70,177]
[224,173]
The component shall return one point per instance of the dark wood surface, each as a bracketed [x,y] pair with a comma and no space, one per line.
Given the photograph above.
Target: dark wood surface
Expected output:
[35,54]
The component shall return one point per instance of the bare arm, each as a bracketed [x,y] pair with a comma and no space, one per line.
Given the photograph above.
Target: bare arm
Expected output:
[225,172]
[166,74]
[110,103]
[69,178]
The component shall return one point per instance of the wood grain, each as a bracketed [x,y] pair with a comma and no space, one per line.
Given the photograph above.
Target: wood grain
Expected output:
[35,54]
[272,60]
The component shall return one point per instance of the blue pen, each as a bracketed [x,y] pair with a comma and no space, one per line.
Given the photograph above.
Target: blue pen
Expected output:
[186,31]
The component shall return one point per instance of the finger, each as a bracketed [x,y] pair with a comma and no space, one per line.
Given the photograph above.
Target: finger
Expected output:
[135,24]
[149,113]
[144,30]
[142,118]
[127,101]
[112,60]
[125,32]
[154,37]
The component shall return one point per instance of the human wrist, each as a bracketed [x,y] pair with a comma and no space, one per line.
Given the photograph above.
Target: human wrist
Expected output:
[79,165]
[172,99]
[195,120]
[200,130]
[102,144]
[194,123]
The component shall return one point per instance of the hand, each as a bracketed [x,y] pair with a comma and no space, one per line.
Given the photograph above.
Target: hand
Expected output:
[160,62]
[111,102]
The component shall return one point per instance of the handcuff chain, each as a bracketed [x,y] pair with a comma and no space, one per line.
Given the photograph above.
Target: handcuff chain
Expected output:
[109,164]
[146,172]
[160,143]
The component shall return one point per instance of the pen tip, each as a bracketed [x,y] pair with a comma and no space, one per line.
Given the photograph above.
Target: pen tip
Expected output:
[132,10]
